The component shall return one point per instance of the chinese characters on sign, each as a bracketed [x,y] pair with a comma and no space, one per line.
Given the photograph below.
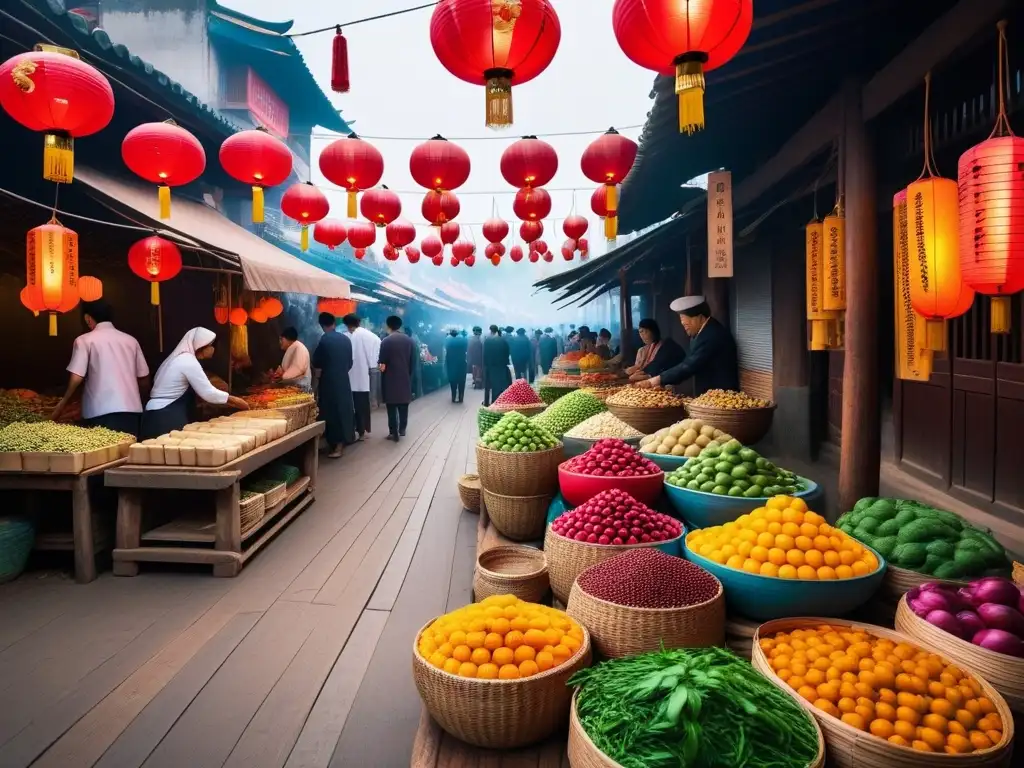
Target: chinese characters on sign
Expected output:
[720,224]
[266,106]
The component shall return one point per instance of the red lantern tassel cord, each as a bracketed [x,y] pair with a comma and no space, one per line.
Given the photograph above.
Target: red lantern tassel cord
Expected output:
[339,63]
[164,195]
[690,90]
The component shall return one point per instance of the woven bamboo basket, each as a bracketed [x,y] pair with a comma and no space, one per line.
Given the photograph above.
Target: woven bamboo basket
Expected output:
[648,420]
[583,753]
[469,492]
[620,630]
[251,511]
[520,518]
[568,558]
[1005,673]
[525,410]
[899,581]
[849,747]
[275,495]
[297,416]
[739,635]
[748,425]
[511,570]
[498,714]
[519,474]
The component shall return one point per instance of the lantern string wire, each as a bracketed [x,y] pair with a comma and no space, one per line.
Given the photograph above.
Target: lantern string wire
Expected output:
[929,168]
[496,137]
[333,27]
[1002,126]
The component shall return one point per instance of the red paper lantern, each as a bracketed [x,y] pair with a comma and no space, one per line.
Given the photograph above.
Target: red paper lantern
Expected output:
[583,245]
[454,261]
[575,227]
[330,232]
[495,259]
[534,257]
[497,44]
[530,230]
[258,315]
[361,235]
[440,207]
[495,230]
[599,202]
[307,205]
[238,316]
[412,253]
[516,253]
[273,307]
[463,249]
[607,160]
[400,233]
[90,288]
[438,260]
[471,260]
[532,204]
[154,259]
[540,247]
[684,40]
[258,159]
[336,307]
[491,250]
[431,246]
[449,232]
[380,205]
[568,249]
[390,252]
[164,154]
[339,62]
[220,314]
[529,162]
[60,95]
[439,164]
[51,269]
[991,189]
[359,253]
[353,165]
[548,256]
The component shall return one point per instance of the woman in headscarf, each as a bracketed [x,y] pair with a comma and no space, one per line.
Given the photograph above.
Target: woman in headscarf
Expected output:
[656,355]
[179,381]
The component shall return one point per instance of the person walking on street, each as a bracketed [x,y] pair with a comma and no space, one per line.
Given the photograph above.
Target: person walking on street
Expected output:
[455,365]
[365,353]
[332,361]
[548,350]
[476,357]
[497,377]
[520,348]
[534,355]
[398,356]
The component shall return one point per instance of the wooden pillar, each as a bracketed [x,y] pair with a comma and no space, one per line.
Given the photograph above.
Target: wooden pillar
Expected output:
[625,312]
[860,452]
[790,358]
[716,292]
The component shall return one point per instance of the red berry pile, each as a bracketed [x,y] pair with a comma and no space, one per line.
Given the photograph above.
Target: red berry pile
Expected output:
[648,578]
[612,458]
[615,517]
[520,393]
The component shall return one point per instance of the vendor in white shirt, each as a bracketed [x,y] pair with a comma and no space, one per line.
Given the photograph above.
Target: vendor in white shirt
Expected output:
[113,369]
[294,369]
[365,353]
[179,381]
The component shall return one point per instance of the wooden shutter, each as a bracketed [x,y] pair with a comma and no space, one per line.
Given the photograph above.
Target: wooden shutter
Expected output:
[751,304]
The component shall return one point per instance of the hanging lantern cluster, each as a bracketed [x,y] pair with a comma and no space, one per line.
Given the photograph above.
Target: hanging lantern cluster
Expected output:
[258,159]
[497,44]
[352,164]
[380,205]
[307,205]
[330,232]
[155,260]
[164,154]
[51,270]
[439,166]
[575,227]
[683,40]
[607,160]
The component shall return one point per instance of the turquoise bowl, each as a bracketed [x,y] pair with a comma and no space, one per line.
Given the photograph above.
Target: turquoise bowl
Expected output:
[665,461]
[704,510]
[768,597]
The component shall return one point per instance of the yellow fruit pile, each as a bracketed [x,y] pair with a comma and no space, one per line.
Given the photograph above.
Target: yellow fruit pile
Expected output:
[786,540]
[730,400]
[591,361]
[501,638]
[894,691]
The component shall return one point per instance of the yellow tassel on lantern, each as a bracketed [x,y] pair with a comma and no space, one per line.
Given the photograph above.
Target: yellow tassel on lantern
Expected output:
[690,91]
[611,198]
[53,323]
[164,194]
[999,314]
[58,158]
[304,238]
[239,342]
[257,205]
[154,293]
[352,203]
[499,98]
[935,335]
[611,227]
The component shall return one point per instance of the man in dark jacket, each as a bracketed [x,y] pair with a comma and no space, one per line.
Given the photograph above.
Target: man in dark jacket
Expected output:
[548,349]
[455,364]
[520,348]
[476,357]
[497,377]
[534,355]
[332,360]
[398,358]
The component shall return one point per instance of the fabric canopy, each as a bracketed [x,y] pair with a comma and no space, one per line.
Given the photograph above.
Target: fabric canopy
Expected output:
[265,267]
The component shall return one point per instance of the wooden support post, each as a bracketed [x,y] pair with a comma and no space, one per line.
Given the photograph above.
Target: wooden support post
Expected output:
[716,293]
[129,528]
[625,313]
[81,521]
[311,462]
[860,452]
[229,528]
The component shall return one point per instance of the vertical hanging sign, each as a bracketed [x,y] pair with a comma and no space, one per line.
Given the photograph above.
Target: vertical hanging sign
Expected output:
[720,224]
[834,228]
[818,317]
[913,362]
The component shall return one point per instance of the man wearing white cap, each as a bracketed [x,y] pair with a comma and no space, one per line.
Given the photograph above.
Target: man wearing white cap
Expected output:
[711,359]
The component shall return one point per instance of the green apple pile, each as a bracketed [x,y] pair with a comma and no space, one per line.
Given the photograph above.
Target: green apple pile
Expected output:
[517,434]
[732,470]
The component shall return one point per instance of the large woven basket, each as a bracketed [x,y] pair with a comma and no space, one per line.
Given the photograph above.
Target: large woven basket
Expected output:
[525,410]
[498,714]
[469,492]
[899,581]
[583,753]
[519,474]
[748,425]
[252,510]
[274,496]
[511,570]
[849,747]
[1005,673]
[648,420]
[619,630]
[568,558]
[17,534]
[520,518]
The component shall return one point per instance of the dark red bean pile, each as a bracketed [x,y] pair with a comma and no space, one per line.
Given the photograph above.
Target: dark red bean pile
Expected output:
[612,458]
[615,517]
[648,578]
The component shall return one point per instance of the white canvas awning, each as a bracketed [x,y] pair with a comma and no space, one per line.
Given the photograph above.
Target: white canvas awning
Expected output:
[265,267]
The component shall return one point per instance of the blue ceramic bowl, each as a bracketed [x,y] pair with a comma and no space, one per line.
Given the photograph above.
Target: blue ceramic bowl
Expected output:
[768,597]
[704,510]
[665,461]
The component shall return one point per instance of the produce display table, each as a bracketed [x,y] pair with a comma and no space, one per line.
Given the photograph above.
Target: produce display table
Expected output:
[83,539]
[179,540]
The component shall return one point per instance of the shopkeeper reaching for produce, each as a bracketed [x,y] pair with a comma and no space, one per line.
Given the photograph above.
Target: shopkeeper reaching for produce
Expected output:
[171,403]
[294,368]
[114,370]
[657,355]
[711,360]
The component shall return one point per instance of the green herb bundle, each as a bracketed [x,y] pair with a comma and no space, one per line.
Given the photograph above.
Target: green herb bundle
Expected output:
[692,708]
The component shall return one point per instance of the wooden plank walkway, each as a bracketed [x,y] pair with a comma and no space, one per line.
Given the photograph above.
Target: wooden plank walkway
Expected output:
[301,661]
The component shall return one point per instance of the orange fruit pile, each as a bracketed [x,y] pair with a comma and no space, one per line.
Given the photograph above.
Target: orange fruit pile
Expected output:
[786,540]
[500,638]
[895,691]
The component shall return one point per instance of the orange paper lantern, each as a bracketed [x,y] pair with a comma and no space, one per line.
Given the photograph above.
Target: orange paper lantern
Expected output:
[51,269]
[238,316]
[220,314]
[90,288]
[154,259]
[337,307]
[273,307]
[258,315]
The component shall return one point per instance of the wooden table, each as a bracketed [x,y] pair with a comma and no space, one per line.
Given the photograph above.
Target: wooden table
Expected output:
[84,542]
[176,542]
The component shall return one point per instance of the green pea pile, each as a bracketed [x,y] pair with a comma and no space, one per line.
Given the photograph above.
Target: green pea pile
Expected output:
[569,411]
[517,434]
[13,409]
[49,437]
